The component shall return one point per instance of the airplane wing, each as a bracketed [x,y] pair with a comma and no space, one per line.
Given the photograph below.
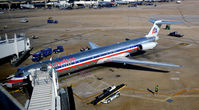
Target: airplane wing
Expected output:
[133,61]
[93,45]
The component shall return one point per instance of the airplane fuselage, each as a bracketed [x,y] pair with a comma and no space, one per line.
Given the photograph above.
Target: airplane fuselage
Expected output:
[73,62]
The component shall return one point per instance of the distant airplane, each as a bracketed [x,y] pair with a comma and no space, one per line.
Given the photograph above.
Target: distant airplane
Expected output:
[116,53]
[64,4]
[27,6]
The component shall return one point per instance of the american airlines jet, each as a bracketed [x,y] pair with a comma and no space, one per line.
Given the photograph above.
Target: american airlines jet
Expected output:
[116,53]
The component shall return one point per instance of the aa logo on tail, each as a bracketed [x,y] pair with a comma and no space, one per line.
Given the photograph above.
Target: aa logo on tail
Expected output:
[154,30]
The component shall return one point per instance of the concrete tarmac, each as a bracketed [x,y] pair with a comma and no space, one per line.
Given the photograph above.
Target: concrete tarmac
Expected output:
[110,25]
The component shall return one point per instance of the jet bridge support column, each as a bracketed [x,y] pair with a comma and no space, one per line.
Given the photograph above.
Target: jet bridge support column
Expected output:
[16,46]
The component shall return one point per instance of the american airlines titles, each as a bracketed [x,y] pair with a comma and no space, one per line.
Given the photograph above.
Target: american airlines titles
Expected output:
[64,61]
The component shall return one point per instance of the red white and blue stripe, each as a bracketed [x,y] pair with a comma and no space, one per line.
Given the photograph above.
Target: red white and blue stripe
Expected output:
[92,59]
[16,79]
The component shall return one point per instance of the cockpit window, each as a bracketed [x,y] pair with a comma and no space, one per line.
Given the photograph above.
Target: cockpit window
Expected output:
[19,74]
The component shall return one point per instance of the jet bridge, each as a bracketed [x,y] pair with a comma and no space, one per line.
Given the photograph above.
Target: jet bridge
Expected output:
[46,94]
[45,86]
[16,48]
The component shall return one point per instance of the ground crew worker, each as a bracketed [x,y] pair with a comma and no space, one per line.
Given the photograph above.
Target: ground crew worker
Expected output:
[167,27]
[156,89]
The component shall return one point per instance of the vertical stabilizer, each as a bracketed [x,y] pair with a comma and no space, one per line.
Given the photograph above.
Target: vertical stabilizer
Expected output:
[156,27]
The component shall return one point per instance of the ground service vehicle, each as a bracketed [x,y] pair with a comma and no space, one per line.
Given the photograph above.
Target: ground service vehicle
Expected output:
[37,56]
[113,96]
[58,49]
[175,34]
[43,53]
[46,52]
[51,20]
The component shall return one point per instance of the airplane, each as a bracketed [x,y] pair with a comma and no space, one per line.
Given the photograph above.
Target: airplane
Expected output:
[116,53]
[64,4]
[27,6]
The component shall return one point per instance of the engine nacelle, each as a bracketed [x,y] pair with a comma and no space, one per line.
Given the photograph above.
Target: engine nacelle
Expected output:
[147,46]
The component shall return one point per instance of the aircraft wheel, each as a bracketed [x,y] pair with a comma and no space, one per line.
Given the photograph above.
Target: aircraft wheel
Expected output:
[108,101]
[118,95]
[13,59]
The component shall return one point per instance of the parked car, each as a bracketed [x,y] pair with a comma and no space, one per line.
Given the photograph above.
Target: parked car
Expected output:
[23,20]
[58,49]
[132,5]
[149,4]
[175,34]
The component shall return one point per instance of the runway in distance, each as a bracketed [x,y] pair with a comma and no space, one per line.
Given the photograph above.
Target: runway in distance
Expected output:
[117,53]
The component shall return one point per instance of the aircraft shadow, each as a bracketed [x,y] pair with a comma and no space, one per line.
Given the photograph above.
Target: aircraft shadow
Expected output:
[119,65]
[138,53]
[115,65]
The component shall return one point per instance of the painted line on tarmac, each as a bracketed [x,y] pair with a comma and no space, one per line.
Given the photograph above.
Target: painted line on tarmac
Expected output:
[16,91]
[167,99]
[163,94]
[135,96]
[143,97]
[144,91]
[179,92]
[86,98]
[137,90]
[78,97]
[175,78]
[187,96]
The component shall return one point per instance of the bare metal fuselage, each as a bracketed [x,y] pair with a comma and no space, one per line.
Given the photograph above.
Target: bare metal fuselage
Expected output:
[73,62]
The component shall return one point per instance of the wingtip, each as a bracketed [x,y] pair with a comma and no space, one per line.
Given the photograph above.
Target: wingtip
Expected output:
[165,21]
[179,65]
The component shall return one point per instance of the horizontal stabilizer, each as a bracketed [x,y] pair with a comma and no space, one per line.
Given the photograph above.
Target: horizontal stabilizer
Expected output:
[156,26]
[164,22]
[132,61]
[93,45]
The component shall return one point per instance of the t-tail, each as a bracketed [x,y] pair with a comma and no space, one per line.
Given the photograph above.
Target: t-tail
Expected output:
[156,27]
